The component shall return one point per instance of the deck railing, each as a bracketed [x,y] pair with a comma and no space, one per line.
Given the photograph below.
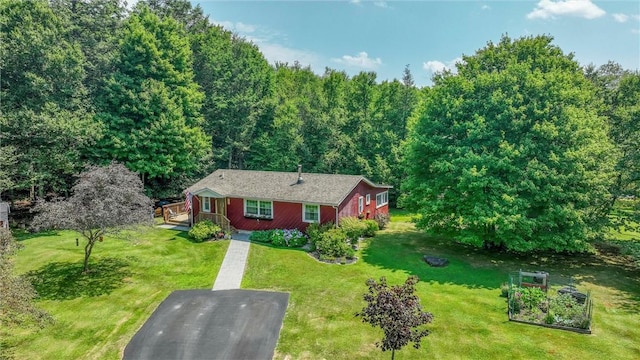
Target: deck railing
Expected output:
[171,212]
[218,219]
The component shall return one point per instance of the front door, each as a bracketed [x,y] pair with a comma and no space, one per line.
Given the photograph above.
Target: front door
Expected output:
[221,207]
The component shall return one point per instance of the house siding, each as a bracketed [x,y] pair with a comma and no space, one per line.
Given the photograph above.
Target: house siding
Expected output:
[349,206]
[286,215]
[195,205]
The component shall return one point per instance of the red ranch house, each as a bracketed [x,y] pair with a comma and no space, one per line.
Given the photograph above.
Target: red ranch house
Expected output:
[261,200]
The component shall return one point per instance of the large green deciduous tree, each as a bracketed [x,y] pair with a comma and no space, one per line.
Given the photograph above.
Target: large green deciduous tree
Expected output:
[620,91]
[150,107]
[46,116]
[94,25]
[511,151]
[237,81]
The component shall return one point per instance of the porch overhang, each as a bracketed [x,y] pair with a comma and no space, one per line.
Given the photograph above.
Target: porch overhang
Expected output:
[206,192]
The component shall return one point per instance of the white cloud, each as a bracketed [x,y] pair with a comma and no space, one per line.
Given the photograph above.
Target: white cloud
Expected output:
[435,66]
[551,9]
[270,44]
[362,60]
[238,27]
[278,53]
[621,17]
[485,7]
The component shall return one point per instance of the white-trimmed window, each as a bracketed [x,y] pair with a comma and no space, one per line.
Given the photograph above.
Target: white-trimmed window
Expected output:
[360,205]
[206,204]
[382,199]
[368,199]
[258,208]
[310,213]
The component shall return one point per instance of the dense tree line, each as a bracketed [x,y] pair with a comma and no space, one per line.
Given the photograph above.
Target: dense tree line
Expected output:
[521,136]
[173,96]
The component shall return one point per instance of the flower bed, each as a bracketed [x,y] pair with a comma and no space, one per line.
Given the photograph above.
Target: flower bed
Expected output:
[280,237]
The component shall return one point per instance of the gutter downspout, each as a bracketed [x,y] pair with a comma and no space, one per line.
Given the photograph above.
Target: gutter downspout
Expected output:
[335,207]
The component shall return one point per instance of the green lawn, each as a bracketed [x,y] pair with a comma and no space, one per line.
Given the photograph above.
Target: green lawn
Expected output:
[470,319]
[96,315]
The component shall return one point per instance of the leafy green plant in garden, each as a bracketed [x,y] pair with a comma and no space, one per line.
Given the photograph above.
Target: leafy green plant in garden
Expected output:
[315,231]
[204,230]
[504,290]
[526,299]
[333,244]
[567,311]
[353,227]
[356,228]
[371,228]
[263,236]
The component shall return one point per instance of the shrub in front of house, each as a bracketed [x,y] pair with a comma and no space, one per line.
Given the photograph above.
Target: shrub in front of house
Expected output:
[372,227]
[334,244]
[262,236]
[356,228]
[204,230]
[289,238]
[280,237]
[315,231]
[353,227]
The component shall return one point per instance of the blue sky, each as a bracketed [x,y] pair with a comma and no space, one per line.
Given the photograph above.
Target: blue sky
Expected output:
[384,36]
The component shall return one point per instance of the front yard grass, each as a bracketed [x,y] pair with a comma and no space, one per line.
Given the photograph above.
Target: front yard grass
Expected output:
[96,315]
[470,316]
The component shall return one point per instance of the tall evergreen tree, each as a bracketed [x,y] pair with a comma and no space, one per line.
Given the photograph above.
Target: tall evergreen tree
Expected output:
[150,106]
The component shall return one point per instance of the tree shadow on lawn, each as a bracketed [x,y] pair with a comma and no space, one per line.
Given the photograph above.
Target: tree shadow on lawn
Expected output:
[403,250]
[65,281]
[24,235]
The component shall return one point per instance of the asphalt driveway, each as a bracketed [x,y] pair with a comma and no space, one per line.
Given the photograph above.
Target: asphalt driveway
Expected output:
[205,324]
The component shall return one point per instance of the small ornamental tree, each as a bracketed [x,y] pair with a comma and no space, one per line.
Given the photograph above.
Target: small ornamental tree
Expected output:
[105,201]
[397,311]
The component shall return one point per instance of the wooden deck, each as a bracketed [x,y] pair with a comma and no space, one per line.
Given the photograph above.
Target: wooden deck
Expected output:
[174,214]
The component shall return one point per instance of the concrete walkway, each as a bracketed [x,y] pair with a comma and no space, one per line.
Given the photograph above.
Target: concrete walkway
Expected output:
[175,227]
[232,269]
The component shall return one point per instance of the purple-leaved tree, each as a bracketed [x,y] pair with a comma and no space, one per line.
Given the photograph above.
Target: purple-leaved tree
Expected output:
[397,311]
[105,200]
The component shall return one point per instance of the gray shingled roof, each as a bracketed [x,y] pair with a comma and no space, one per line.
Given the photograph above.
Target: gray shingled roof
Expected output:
[325,189]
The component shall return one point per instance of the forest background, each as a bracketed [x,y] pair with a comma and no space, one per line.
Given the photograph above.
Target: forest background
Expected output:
[173,97]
